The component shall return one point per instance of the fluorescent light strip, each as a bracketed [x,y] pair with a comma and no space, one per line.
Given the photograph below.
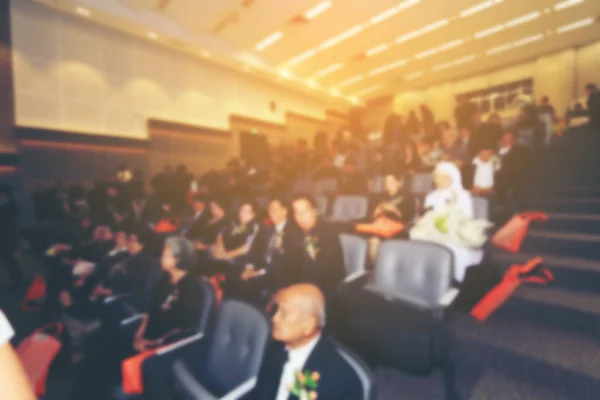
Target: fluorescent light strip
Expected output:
[393,11]
[377,50]
[489,31]
[416,75]
[426,53]
[426,29]
[152,35]
[341,37]
[454,63]
[269,41]
[479,7]
[575,25]
[566,4]
[527,40]
[499,49]
[330,69]
[369,89]
[450,45]
[350,81]
[82,11]
[317,10]
[523,19]
[304,56]
[388,67]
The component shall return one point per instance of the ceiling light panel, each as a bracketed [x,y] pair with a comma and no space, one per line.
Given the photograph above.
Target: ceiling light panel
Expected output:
[350,81]
[390,12]
[489,31]
[388,67]
[479,7]
[317,10]
[566,4]
[414,75]
[377,49]
[341,37]
[329,70]
[523,19]
[455,63]
[575,25]
[269,41]
[369,89]
[518,43]
[421,31]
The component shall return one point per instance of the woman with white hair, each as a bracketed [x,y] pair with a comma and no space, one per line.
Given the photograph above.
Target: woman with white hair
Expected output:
[449,191]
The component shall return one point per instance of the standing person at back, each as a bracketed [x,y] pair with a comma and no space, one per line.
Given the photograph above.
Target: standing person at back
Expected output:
[9,235]
[593,104]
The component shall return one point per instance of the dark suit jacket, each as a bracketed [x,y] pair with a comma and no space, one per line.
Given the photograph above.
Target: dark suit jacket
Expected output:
[338,380]
[327,270]
[284,260]
[197,229]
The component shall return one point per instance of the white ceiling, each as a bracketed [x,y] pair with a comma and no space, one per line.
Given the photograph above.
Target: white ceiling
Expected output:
[232,29]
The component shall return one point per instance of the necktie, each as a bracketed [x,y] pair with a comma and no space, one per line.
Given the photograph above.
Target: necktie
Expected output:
[273,244]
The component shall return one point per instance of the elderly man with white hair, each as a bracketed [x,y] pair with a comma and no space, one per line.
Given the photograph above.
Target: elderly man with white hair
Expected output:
[301,348]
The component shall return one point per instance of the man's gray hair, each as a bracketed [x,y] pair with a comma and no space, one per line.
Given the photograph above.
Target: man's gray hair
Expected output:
[183,250]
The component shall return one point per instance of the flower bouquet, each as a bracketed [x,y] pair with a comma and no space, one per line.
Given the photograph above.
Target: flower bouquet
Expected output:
[448,225]
[305,385]
[311,245]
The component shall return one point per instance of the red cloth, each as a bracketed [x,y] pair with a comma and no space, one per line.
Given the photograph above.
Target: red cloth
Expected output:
[216,281]
[511,235]
[131,370]
[383,226]
[513,277]
[165,226]
[37,352]
[35,295]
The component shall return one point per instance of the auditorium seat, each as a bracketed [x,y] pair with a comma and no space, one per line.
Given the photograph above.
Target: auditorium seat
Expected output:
[349,208]
[325,187]
[302,187]
[322,204]
[360,368]
[355,251]
[481,208]
[233,355]
[400,317]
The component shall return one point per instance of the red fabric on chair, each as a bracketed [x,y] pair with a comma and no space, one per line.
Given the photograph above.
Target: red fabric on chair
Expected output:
[513,277]
[131,370]
[511,235]
[37,352]
[216,281]
[165,226]
[35,295]
[383,226]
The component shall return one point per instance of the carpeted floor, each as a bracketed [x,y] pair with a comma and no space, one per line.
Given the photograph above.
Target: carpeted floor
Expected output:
[544,344]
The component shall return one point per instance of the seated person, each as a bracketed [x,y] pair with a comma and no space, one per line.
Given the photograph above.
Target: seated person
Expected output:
[200,220]
[274,255]
[229,254]
[449,191]
[352,182]
[300,345]
[173,314]
[397,204]
[204,236]
[322,262]
[485,166]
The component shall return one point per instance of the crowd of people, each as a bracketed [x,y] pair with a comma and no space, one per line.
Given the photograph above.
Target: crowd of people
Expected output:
[102,242]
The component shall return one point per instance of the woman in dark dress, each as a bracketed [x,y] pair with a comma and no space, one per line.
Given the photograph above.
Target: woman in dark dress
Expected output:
[229,253]
[174,312]
[207,238]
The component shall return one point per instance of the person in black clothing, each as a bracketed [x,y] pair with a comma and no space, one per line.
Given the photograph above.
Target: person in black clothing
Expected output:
[173,314]
[300,345]
[197,226]
[514,168]
[322,259]
[229,254]
[593,104]
[9,235]
[397,202]
[274,256]
[352,181]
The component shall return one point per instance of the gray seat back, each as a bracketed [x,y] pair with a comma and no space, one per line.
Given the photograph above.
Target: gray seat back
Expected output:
[303,186]
[416,272]
[360,368]
[355,251]
[322,203]
[237,346]
[481,207]
[326,186]
[348,208]
[421,183]
[209,300]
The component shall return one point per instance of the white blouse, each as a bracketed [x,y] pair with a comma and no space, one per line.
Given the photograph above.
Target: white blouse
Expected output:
[6,330]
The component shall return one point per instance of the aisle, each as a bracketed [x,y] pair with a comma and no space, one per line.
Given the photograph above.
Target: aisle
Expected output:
[544,344]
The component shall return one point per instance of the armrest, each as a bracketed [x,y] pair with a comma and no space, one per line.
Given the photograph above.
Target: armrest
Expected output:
[355,276]
[241,390]
[113,298]
[448,297]
[131,319]
[180,343]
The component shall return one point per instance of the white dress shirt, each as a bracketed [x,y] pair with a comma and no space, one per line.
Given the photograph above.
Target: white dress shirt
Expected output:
[296,360]
[6,330]
[484,173]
